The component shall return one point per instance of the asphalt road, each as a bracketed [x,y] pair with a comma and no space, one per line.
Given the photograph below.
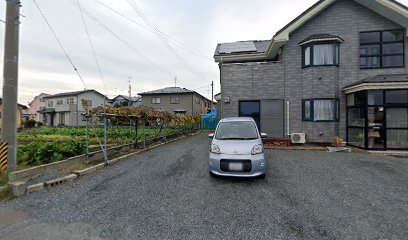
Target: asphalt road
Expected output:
[167,193]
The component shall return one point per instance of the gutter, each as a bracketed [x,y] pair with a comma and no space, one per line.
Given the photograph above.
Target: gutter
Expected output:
[288,118]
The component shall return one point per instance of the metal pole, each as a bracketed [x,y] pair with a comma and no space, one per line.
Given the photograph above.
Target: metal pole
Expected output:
[130,92]
[130,128]
[10,81]
[136,123]
[212,95]
[144,133]
[86,141]
[104,122]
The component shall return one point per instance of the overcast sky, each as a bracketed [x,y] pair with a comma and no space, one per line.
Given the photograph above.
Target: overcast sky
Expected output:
[197,24]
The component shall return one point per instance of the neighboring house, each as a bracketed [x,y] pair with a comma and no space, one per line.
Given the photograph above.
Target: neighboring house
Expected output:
[25,114]
[123,101]
[35,106]
[338,69]
[176,100]
[20,118]
[65,109]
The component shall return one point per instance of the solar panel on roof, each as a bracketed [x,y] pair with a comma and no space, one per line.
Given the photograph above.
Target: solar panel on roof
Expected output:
[237,47]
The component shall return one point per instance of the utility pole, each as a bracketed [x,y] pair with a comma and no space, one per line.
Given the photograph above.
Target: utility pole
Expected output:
[130,92]
[10,81]
[212,95]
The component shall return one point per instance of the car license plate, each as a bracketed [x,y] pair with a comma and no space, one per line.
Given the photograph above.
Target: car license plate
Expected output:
[236,167]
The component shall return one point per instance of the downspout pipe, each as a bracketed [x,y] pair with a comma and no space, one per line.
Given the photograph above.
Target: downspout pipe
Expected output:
[288,118]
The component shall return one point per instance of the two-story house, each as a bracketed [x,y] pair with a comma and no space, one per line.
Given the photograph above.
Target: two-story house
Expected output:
[338,69]
[124,101]
[180,101]
[36,105]
[65,109]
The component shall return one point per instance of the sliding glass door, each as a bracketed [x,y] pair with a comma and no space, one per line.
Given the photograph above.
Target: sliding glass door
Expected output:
[378,119]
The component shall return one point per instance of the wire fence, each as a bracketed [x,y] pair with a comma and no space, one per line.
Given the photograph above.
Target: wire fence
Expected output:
[135,126]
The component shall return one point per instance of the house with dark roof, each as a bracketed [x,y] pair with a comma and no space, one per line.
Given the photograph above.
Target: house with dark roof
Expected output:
[125,101]
[65,109]
[180,101]
[338,69]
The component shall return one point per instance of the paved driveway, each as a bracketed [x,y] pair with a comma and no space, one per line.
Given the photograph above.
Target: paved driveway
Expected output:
[166,193]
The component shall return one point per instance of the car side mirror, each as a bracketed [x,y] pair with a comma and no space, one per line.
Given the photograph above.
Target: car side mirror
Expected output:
[211,135]
[264,135]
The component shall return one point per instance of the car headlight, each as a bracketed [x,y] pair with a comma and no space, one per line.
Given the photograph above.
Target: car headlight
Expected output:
[257,149]
[215,149]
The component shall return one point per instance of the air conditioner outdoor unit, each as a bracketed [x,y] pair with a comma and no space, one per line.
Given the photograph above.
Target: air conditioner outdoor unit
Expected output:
[298,137]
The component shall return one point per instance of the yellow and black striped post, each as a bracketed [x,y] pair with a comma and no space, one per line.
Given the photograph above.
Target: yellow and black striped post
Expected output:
[3,156]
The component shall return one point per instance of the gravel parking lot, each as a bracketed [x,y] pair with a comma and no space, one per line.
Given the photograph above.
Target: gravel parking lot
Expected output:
[167,193]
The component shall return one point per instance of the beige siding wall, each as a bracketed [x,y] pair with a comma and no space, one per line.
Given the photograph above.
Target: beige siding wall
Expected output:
[19,110]
[187,102]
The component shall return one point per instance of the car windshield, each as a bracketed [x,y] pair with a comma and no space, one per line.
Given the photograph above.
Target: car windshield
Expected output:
[236,131]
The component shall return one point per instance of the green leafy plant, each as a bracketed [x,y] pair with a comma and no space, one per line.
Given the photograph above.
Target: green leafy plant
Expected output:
[29,123]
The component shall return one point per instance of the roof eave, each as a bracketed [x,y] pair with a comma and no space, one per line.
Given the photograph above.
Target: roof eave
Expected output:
[390,9]
[387,8]
[375,86]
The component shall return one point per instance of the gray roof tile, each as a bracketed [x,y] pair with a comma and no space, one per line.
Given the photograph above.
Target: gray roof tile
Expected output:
[167,90]
[382,79]
[75,93]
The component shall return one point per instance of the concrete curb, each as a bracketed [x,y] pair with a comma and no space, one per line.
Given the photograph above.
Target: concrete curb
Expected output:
[35,187]
[89,170]
[21,188]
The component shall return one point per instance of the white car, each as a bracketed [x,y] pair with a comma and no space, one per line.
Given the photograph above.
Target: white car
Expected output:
[237,149]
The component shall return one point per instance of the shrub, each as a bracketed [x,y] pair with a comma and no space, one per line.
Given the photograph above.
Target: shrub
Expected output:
[29,123]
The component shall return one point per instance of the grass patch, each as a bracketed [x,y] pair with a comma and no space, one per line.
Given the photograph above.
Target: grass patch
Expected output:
[3,179]
[5,190]
[5,193]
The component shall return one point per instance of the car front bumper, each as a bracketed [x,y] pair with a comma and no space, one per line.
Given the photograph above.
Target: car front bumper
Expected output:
[258,164]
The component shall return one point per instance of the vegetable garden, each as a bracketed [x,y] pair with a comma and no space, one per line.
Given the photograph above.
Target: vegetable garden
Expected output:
[125,125]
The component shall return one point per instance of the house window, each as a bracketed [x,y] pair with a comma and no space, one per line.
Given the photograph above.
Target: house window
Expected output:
[197,100]
[382,49]
[321,55]
[156,100]
[59,102]
[89,103]
[70,100]
[396,96]
[62,119]
[175,100]
[320,110]
[50,104]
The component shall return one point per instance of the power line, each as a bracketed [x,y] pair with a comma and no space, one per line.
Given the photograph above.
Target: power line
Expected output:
[92,47]
[59,43]
[163,36]
[92,17]
[202,87]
